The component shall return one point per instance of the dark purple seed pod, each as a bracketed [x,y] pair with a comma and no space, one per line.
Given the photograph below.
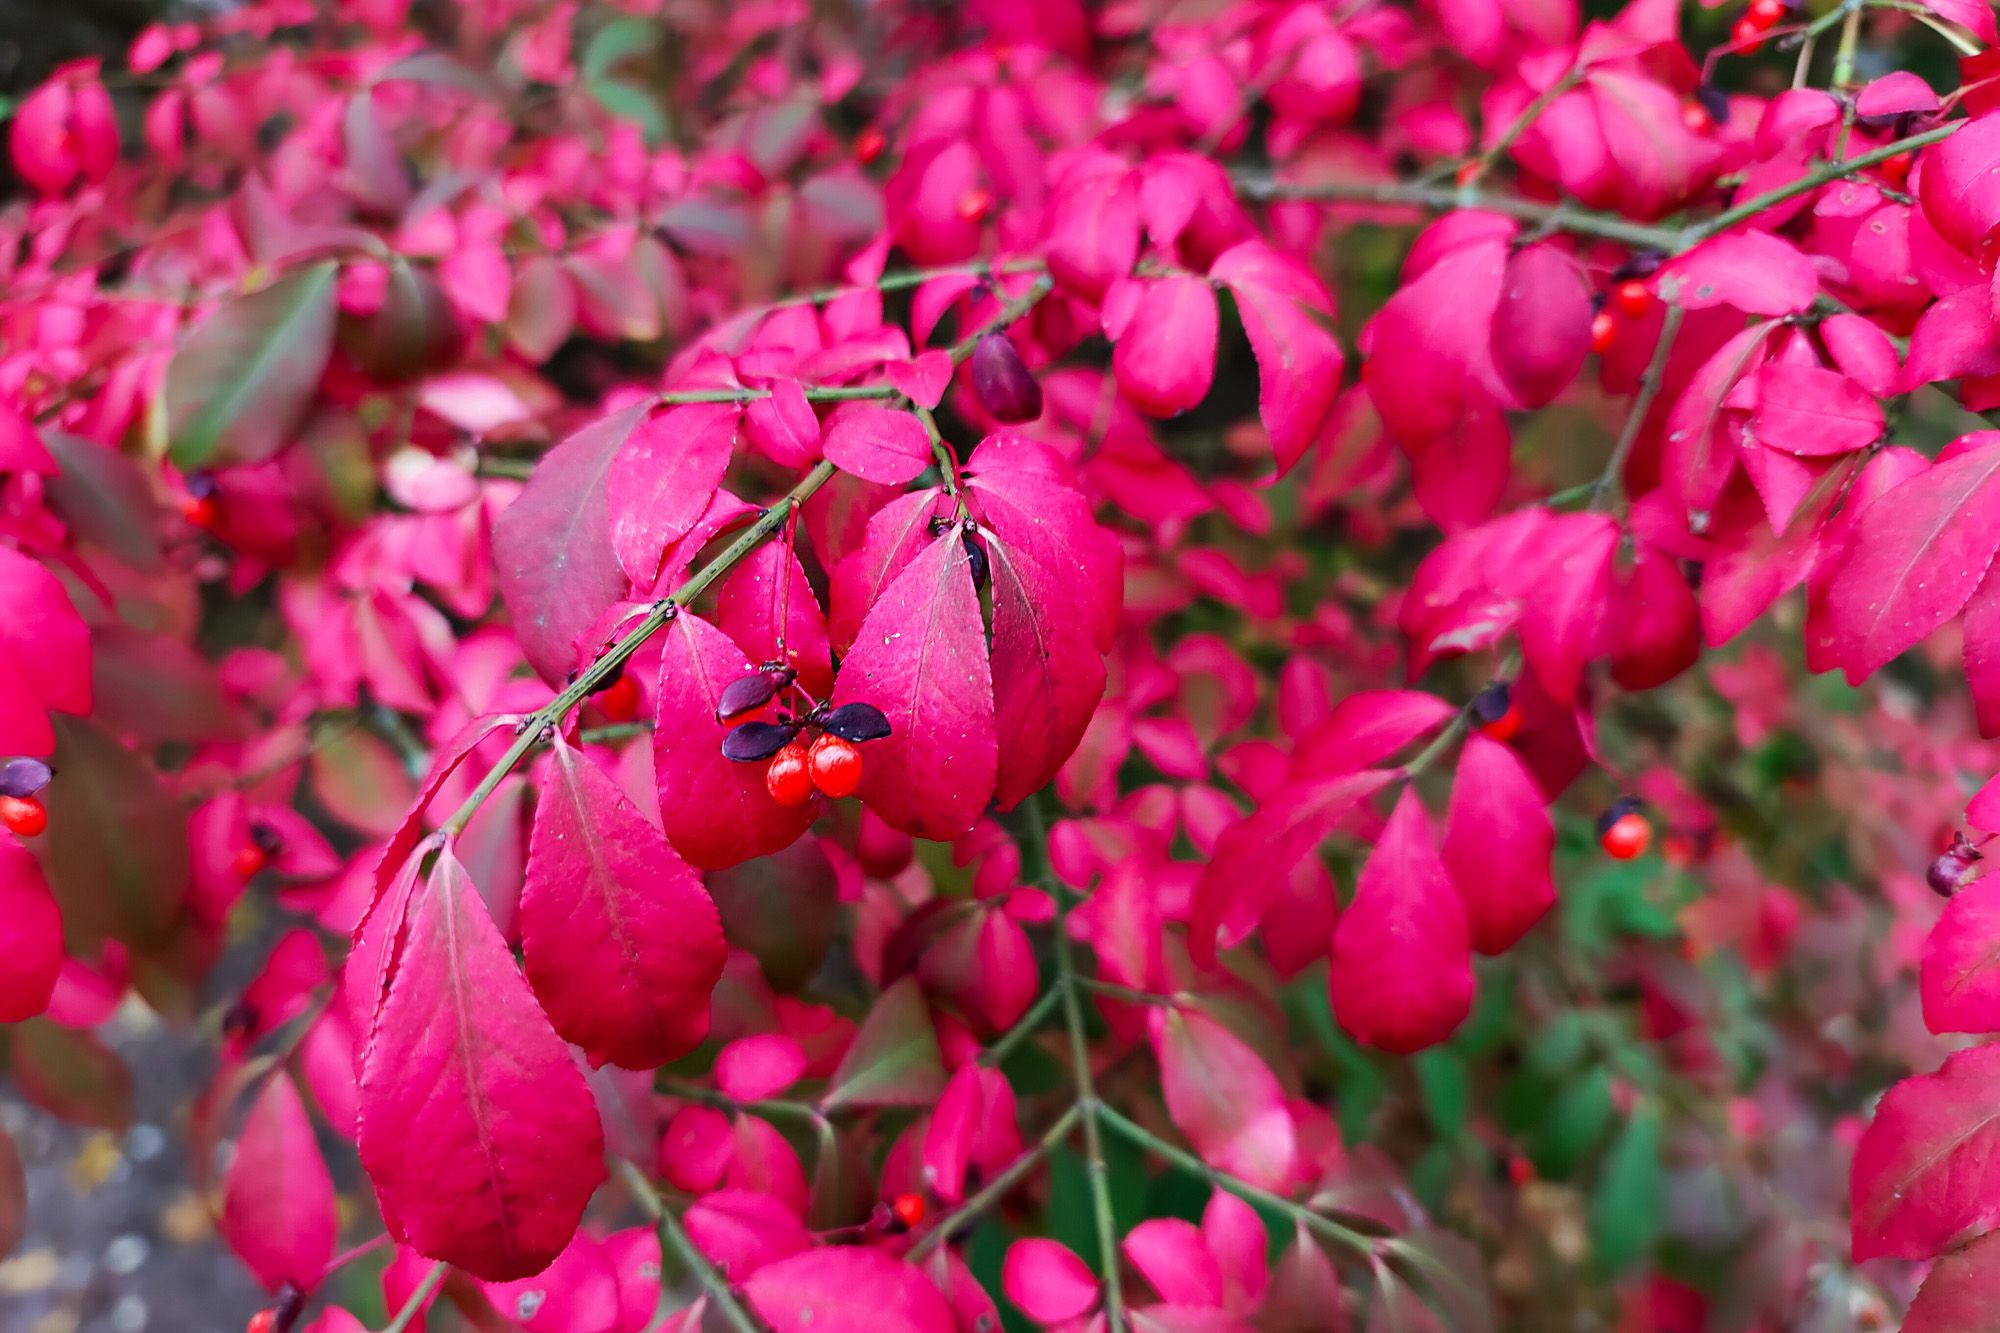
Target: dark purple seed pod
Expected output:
[855,722]
[755,741]
[745,694]
[266,839]
[1617,810]
[1491,703]
[24,777]
[975,556]
[1954,870]
[1005,385]
[1714,101]
[286,1308]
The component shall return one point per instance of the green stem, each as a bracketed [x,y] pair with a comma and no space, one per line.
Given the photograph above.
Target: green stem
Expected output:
[1093,1112]
[1320,1224]
[997,1188]
[674,1240]
[769,1108]
[1529,114]
[1649,389]
[1114,991]
[1037,1014]
[1558,217]
[553,712]
[418,1298]
[1812,180]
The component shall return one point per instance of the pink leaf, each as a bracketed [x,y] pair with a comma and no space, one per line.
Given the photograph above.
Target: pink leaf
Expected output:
[1541,327]
[1047,1280]
[477,1127]
[1255,855]
[558,570]
[1164,355]
[715,812]
[1807,410]
[1960,1293]
[924,380]
[878,444]
[31,935]
[620,940]
[42,637]
[1960,976]
[1048,676]
[1169,1253]
[1753,271]
[1981,655]
[1926,1173]
[1959,189]
[277,1199]
[1916,556]
[847,1289]
[1026,493]
[768,599]
[920,657]
[741,1231]
[578,1293]
[662,479]
[1401,976]
[750,1069]
[1563,621]
[1498,841]
[1285,312]
[1221,1095]
[1365,728]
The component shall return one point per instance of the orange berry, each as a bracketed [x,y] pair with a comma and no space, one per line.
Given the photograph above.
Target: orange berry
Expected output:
[619,701]
[1628,836]
[788,777]
[1603,332]
[24,816]
[836,766]
[1633,297]
[909,1209]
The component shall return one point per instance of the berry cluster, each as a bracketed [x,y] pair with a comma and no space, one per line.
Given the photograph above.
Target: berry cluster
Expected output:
[829,763]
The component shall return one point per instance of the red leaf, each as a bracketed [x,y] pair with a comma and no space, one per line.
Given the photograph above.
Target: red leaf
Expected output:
[1164,355]
[1753,271]
[767,599]
[662,479]
[1498,841]
[1223,1097]
[1365,728]
[1285,311]
[1541,327]
[1048,676]
[620,940]
[1916,556]
[1563,620]
[1982,655]
[894,535]
[1047,1280]
[715,812]
[847,1289]
[477,1127]
[878,444]
[920,657]
[277,1199]
[1960,976]
[1026,493]
[42,638]
[1926,1173]
[1961,1293]
[31,935]
[558,570]
[1657,634]
[1401,975]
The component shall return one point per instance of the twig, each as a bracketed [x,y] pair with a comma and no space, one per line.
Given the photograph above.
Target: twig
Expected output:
[1093,1136]
[674,1240]
[997,1188]
[552,713]
[415,1305]
[1642,402]
[1037,1014]
[770,1108]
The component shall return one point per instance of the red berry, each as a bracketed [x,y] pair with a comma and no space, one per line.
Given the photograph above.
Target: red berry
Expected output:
[836,766]
[23,815]
[619,702]
[1767,13]
[1896,170]
[1695,116]
[199,510]
[868,144]
[1603,332]
[1633,297]
[248,861]
[1629,836]
[1746,36]
[1504,727]
[1467,173]
[908,1208]
[788,777]
[1520,1170]
[261,1322]
[975,204]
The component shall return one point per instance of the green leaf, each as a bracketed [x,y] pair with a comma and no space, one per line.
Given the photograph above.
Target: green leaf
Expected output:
[1573,1124]
[441,71]
[118,857]
[894,1060]
[104,497]
[627,101]
[616,41]
[155,688]
[1441,1077]
[1630,1194]
[237,389]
